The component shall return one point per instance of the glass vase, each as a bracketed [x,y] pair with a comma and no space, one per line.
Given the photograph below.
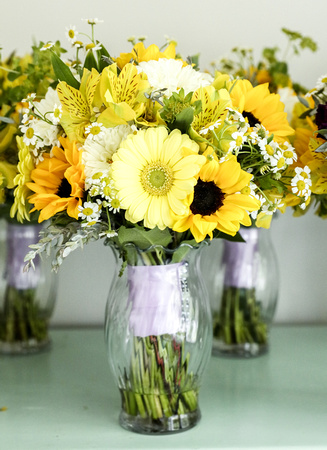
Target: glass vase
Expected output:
[246,289]
[26,298]
[159,338]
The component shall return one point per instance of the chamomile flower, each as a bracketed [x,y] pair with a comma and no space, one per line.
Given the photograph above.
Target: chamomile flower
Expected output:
[288,152]
[258,132]
[115,205]
[205,131]
[71,33]
[300,187]
[89,211]
[30,138]
[30,100]
[278,162]
[237,142]
[94,21]
[268,150]
[55,116]
[303,173]
[46,46]
[95,129]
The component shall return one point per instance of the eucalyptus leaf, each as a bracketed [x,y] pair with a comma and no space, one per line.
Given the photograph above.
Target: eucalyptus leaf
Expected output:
[321,148]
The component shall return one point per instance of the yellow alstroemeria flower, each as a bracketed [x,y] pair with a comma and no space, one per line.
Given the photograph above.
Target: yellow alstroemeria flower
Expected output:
[122,94]
[78,104]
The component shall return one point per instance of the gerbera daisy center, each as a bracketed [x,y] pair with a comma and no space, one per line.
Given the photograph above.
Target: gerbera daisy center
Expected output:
[208,198]
[157,178]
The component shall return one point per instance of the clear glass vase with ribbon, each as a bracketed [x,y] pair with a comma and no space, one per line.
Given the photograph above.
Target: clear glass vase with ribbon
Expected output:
[158,335]
[27,298]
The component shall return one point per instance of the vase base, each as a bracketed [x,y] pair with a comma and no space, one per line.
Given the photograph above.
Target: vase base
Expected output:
[165,425]
[24,347]
[244,350]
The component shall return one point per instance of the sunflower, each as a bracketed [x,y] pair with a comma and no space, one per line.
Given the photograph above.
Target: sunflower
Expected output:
[221,200]
[140,53]
[153,172]
[58,182]
[258,105]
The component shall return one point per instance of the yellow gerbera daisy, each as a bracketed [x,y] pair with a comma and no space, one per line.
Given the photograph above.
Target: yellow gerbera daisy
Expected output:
[258,105]
[20,207]
[153,172]
[140,53]
[218,201]
[58,182]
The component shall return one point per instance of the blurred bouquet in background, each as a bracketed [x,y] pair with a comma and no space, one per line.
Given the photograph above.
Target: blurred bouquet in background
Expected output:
[310,123]
[26,299]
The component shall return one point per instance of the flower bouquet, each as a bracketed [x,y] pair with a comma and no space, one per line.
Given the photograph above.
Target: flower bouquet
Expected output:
[155,157]
[245,306]
[26,299]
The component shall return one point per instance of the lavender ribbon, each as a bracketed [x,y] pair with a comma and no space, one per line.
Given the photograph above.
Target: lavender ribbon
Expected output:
[19,237]
[241,260]
[155,295]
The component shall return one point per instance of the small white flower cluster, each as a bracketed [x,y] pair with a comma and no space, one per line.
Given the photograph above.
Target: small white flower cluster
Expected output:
[301,184]
[40,122]
[320,87]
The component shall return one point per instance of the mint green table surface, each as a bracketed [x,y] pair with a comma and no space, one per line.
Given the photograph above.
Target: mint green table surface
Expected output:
[66,398]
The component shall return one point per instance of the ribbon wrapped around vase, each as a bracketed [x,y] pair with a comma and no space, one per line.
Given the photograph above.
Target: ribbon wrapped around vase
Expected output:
[18,241]
[156,299]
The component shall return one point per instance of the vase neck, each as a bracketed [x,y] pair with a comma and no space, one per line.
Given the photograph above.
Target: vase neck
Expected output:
[240,261]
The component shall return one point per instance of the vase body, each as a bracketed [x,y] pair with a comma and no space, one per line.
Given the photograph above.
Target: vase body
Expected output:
[159,337]
[245,296]
[26,298]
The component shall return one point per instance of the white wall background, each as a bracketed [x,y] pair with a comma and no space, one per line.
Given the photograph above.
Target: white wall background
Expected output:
[212,28]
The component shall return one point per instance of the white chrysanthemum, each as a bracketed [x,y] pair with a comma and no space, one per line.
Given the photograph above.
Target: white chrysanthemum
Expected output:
[98,150]
[47,134]
[50,107]
[278,162]
[268,150]
[289,98]
[170,74]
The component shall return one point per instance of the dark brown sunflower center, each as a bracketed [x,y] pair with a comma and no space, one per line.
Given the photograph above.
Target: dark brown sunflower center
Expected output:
[251,118]
[208,198]
[64,189]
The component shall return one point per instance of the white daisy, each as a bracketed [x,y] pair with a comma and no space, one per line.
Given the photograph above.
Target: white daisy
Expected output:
[237,142]
[170,74]
[288,153]
[89,211]
[94,21]
[95,129]
[278,162]
[30,138]
[71,33]
[46,46]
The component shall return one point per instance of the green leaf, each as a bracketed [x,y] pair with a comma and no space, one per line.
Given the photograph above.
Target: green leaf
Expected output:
[90,61]
[183,120]
[144,238]
[63,72]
